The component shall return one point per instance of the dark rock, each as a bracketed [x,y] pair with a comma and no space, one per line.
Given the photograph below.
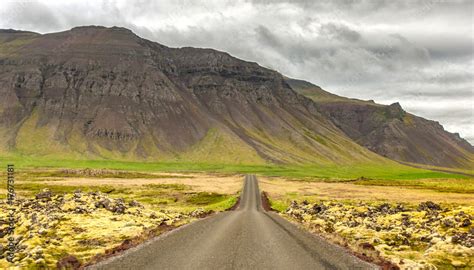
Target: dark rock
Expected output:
[34,218]
[80,210]
[91,242]
[465,239]
[400,208]
[384,208]
[293,204]
[425,238]
[367,246]
[78,229]
[319,208]
[68,262]
[46,194]
[103,203]
[405,241]
[466,223]
[77,194]
[352,224]
[386,265]
[406,221]
[448,223]
[118,207]
[200,213]
[429,206]
[134,204]
[126,244]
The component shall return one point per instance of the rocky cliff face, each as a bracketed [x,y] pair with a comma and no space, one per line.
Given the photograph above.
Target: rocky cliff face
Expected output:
[105,92]
[390,131]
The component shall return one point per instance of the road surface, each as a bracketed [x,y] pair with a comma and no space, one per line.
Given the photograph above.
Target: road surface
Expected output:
[247,238]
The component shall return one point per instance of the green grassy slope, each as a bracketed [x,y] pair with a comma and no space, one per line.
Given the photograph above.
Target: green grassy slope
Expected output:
[296,145]
[10,42]
[218,151]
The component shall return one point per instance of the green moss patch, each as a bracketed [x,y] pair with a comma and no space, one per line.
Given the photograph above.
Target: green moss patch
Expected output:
[420,236]
[202,198]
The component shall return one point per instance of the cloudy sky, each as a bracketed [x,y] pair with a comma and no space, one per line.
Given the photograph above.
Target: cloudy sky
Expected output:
[419,53]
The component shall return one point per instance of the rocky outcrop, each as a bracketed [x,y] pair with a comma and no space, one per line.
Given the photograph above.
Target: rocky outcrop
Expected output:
[413,237]
[390,131]
[42,224]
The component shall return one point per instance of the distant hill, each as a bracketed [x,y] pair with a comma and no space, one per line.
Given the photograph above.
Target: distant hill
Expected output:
[390,131]
[98,92]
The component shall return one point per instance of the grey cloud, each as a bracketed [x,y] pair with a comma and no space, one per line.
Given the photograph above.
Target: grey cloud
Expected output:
[448,114]
[364,7]
[29,15]
[448,47]
[267,37]
[340,32]
[441,93]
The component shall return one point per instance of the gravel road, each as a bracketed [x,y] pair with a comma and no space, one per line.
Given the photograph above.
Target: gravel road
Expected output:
[247,238]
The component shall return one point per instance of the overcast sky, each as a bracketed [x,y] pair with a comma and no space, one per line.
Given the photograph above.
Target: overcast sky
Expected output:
[419,53]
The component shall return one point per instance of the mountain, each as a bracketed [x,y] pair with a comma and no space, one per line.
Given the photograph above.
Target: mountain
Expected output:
[97,92]
[390,131]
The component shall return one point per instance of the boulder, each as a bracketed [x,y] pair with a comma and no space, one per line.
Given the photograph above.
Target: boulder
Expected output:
[77,194]
[45,194]
[135,204]
[103,203]
[80,210]
[429,206]
[449,223]
[118,207]
[68,262]
[198,213]
[466,223]
[319,208]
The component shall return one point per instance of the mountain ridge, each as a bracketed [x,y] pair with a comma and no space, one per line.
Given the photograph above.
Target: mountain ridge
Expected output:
[391,131]
[105,92]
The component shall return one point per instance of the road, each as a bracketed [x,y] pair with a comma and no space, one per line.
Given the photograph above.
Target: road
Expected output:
[247,238]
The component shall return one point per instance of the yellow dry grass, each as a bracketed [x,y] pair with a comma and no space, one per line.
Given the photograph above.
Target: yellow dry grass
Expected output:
[80,227]
[279,188]
[223,184]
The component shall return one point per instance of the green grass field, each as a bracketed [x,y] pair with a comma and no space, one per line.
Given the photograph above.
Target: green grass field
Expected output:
[320,172]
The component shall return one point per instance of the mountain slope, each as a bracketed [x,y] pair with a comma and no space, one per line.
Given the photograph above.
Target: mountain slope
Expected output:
[390,131]
[105,92]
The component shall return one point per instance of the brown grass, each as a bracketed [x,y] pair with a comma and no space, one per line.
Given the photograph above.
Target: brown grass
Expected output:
[223,184]
[279,189]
